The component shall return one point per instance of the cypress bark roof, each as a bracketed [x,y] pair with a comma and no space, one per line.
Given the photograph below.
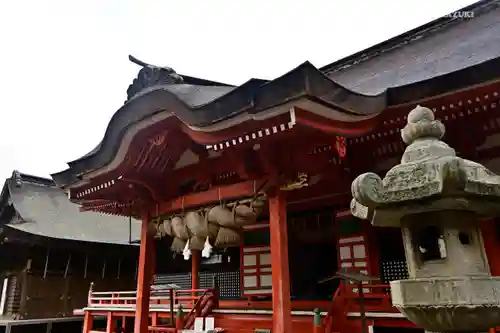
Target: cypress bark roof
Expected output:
[442,46]
[37,206]
[442,56]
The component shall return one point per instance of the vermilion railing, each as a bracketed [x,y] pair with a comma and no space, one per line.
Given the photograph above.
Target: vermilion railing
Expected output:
[370,290]
[376,297]
[197,309]
[187,298]
[200,302]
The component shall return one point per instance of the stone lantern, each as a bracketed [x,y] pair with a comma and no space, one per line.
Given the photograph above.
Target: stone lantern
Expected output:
[437,198]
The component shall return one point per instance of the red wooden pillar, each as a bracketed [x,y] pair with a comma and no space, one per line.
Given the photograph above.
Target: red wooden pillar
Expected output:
[124,327]
[491,245]
[195,269]
[195,272]
[282,317]
[144,278]
[110,324]
[88,320]
[154,319]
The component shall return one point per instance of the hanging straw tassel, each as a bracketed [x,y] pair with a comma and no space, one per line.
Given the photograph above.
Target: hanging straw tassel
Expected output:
[207,250]
[178,245]
[187,252]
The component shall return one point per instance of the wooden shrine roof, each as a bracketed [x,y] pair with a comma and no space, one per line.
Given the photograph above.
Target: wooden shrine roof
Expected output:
[43,209]
[441,57]
[436,48]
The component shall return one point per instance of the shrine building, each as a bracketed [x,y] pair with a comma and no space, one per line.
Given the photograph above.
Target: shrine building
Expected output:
[244,191]
[50,253]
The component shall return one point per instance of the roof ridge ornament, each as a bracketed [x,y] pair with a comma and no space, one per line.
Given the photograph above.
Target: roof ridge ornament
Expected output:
[429,167]
[150,76]
[17,178]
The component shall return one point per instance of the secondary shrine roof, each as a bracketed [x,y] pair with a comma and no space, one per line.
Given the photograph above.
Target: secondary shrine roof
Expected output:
[41,208]
[434,49]
[440,57]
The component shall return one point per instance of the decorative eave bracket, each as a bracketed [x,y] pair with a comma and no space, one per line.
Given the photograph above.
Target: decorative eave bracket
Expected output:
[263,132]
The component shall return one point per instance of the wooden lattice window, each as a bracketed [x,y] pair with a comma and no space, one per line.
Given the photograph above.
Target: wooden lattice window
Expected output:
[256,274]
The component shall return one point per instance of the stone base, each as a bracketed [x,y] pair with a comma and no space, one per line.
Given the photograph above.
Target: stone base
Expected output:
[455,304]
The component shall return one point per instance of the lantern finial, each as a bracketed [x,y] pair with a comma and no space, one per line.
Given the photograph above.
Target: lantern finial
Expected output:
[422,124]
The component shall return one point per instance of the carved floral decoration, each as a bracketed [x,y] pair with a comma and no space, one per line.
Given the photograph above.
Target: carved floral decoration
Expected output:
[341,146]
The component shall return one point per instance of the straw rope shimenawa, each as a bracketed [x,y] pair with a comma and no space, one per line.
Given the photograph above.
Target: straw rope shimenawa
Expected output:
[218,225]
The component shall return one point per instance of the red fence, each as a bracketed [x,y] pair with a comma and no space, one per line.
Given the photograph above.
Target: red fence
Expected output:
[157,297]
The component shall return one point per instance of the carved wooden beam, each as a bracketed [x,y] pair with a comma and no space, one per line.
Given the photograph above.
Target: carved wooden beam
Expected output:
[214,195]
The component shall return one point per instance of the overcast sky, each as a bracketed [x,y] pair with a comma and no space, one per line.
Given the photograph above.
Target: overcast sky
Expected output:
[64,66]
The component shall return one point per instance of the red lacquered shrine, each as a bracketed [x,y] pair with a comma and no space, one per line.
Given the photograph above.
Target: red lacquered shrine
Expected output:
[251,184]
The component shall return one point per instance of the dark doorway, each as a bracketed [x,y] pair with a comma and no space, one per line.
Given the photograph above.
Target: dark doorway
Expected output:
[312,255]
[309,264]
